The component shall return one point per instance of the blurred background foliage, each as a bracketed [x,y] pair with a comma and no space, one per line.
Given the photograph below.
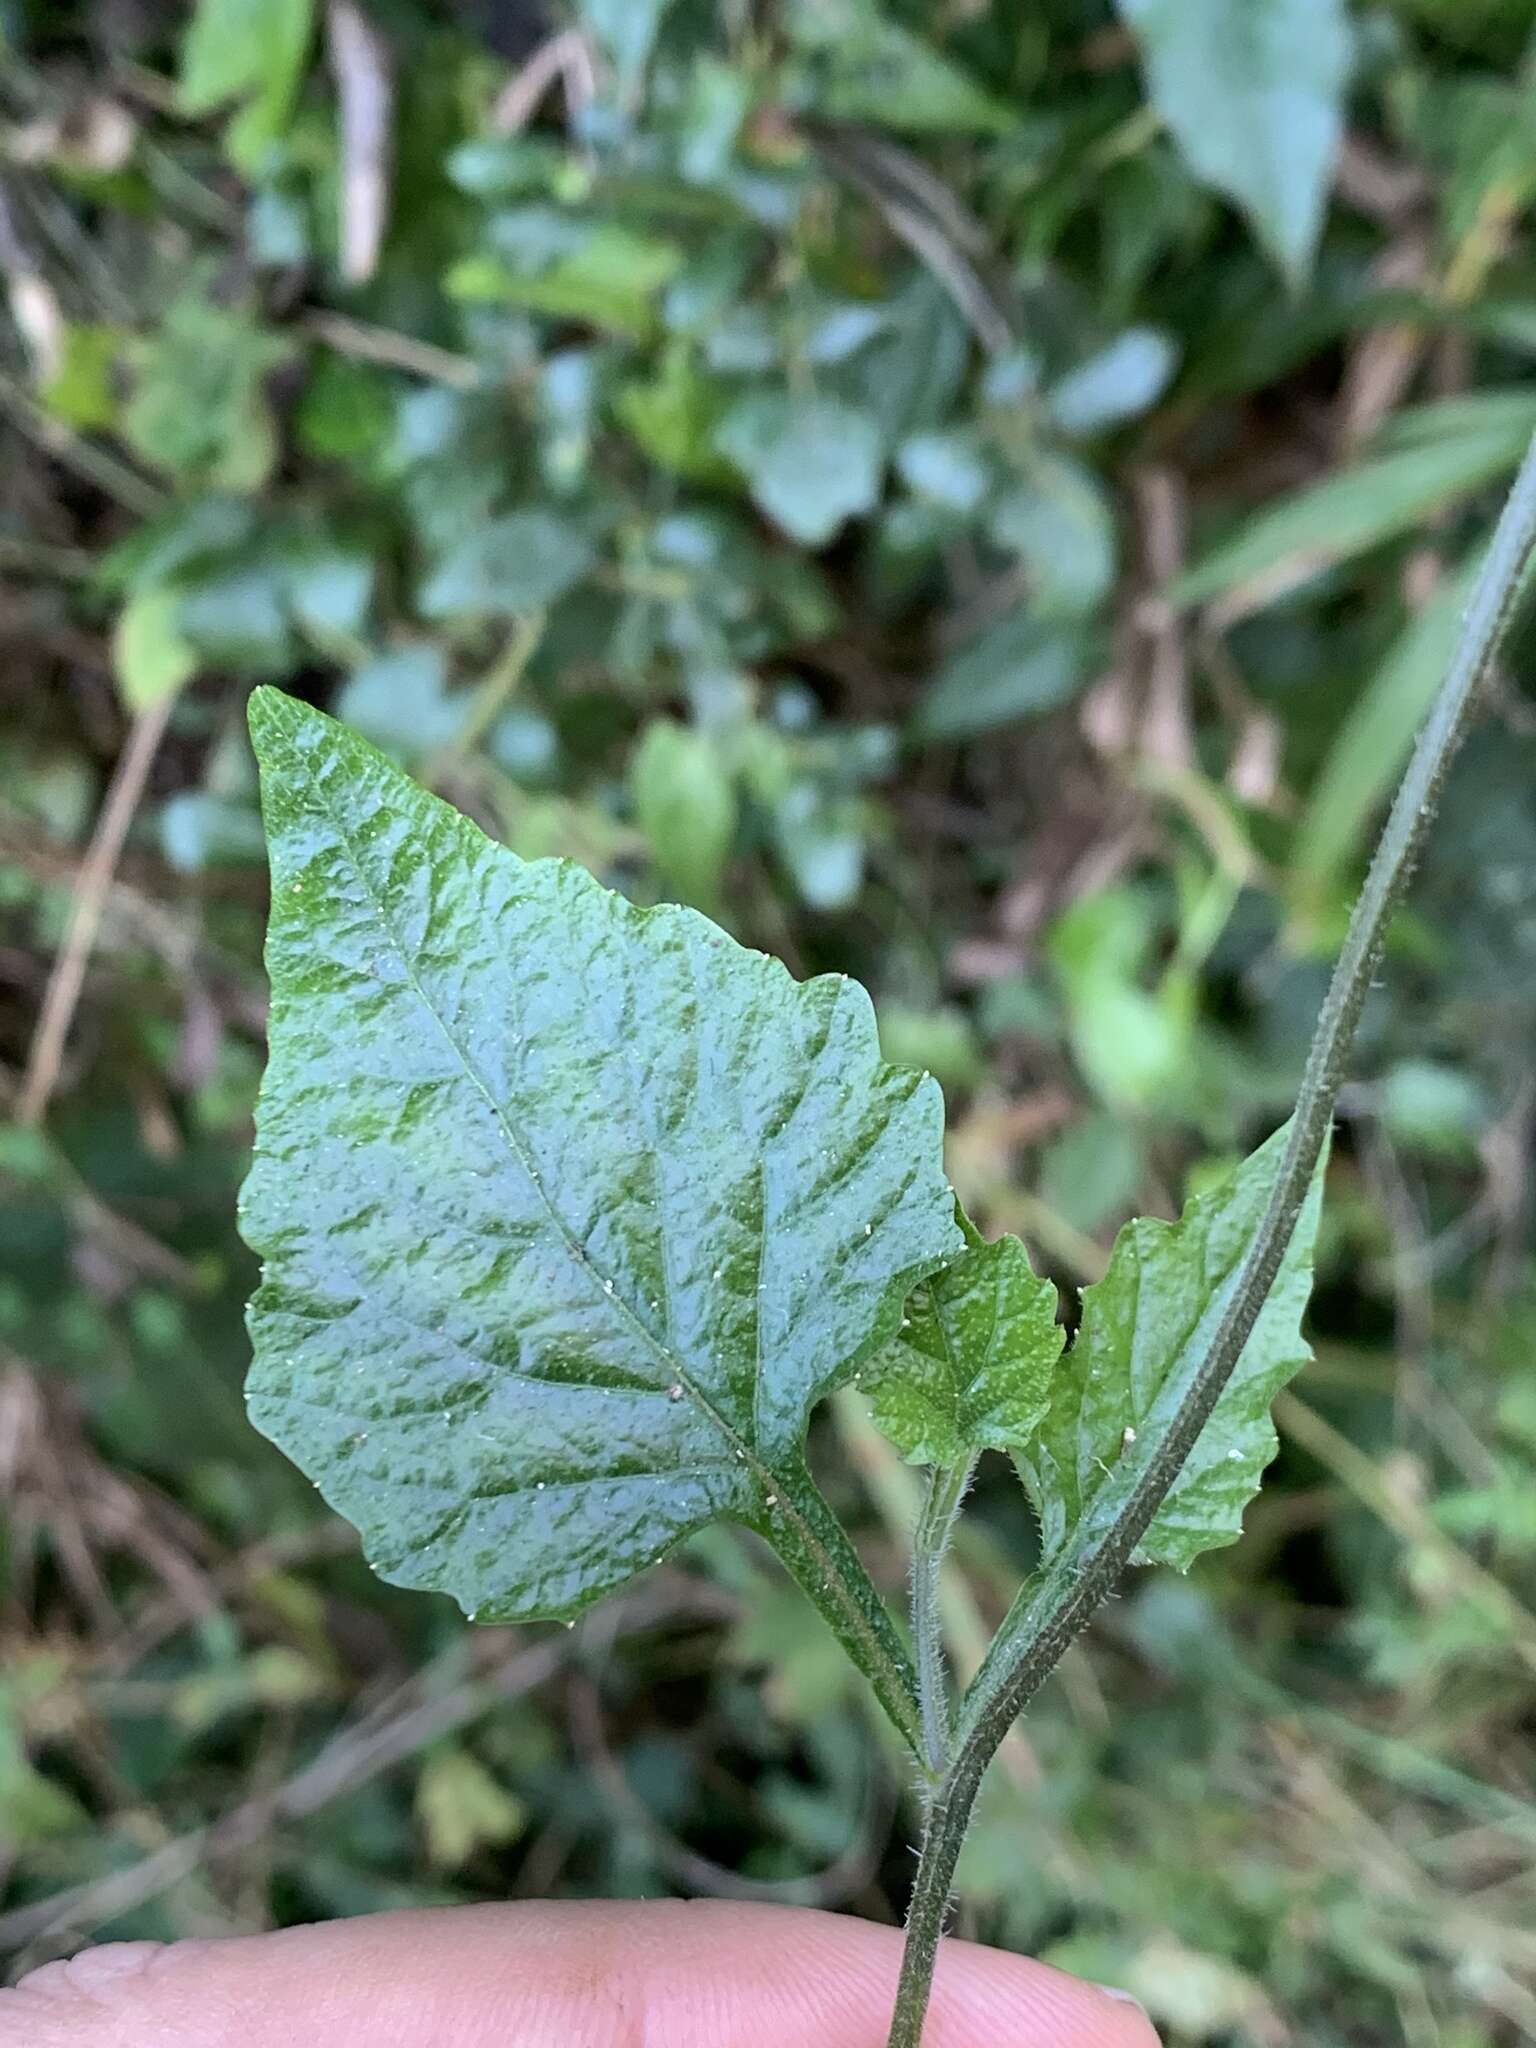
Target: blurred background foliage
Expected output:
[976,496]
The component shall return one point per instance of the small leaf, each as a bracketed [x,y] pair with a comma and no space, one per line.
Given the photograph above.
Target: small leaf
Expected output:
[719,98]
[812,463]
[198,408]
[151,656]
[1132,1043]
[1089,1175]
[402,703]
[686,806]
[674,415]
[1145,1331]
[200,830]
[971,1367]
[253,50]
[1253,91]
[570,1212]
[876,70]
[1122,380]
[33,1808]
[80,390]
[237,617]
[329,589]
[513,566]
[626,30]
[609,277]
[462,1808]
[1023,667]
[946,469]
[1057,520]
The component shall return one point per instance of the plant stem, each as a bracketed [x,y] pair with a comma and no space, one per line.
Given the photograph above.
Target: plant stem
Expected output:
[947,1486]
[1049,1613]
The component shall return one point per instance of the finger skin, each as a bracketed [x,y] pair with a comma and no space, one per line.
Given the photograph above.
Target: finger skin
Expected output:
[664,1975]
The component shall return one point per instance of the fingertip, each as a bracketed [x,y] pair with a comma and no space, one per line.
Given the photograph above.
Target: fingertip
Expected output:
[50,2004]
[695,1976]
[987,1995]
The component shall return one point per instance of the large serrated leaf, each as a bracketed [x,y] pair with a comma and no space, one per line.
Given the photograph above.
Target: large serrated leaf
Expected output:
[971,1368]
[569,1212]
[1146,1328]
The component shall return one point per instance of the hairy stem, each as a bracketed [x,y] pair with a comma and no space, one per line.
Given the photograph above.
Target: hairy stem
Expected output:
[813,1545]
[946,1490]
[1053,1608]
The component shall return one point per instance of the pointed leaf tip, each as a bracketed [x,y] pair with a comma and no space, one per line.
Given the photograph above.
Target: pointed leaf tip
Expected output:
[270,712]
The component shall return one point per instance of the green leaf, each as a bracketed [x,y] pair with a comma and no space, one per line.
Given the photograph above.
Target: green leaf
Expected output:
[402,703]
[1253,91]
[812,463]
[1146,1328]
[150,654]
[200,830]
[1023,667]
[237,617]
[942,1039]
[80,390]
[1089,1175]
[718,100]
[1116,384]
[329,591]
[873,69]
[570,1212]
[609,277]
[252,50]
[686,805]
[971,1368]
[33,1808]
[1132,1043]
[947,469]
[462,1808]
[1058,521]
[1370,747]
[674,414]
[1287,544]
[198,408]
[515,565]
[626,30]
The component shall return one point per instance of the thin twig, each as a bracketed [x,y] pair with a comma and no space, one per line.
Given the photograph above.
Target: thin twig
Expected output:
[940,234]
[96,871]
[490,700]
[365,102]
[114,478]
[566,56]
[23,556]
[1166,737]
[370,344]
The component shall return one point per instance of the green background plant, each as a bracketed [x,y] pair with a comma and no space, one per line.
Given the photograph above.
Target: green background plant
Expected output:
[1055,697]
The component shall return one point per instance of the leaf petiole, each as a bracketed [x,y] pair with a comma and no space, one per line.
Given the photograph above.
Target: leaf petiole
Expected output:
[947,1488]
